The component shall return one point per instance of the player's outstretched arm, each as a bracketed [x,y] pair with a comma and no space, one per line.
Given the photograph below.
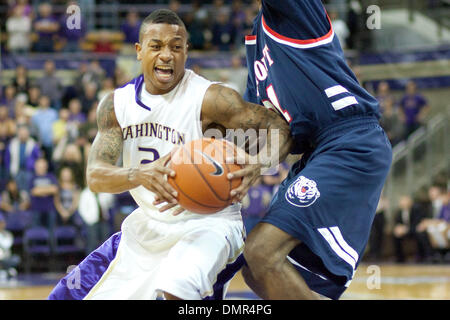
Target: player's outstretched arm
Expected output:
[102,173]
[224,106]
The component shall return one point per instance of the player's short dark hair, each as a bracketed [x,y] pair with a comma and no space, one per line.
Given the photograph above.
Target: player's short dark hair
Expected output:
[161,16]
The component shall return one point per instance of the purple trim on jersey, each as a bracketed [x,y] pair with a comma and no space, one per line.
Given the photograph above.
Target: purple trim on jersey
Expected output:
[137,87]
[77,284]
[224,276]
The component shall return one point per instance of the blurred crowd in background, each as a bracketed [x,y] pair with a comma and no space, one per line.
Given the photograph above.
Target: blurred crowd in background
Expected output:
[34,26]
[46,130]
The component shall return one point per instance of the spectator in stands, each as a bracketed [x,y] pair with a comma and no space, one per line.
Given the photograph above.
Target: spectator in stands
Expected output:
[34,94]
[88,130]
[340,28]
[9,99]
[76,115]
[8,261]
[42,123]
[199,11]
[375,251]
[175,5]
[223,32]
[218,8]
[423,207]
[238,17]
[4,171]
[414,107]
[130,29]
[63,129]
[107,87]
[94,210]
[391,122]
[436,229]
[81,77]
[408,217]
[437,195]
[7,123]
[46,28]
[23,113]
[89,96]
[67,199]
[21,155]
[247,26]
[18,27]
[354,23]
[59,127]
[21,81]
[72,156]
[195,28]
[27,10]
[95,74]
[43,188]
[51,85]
[124,204]
[13,199]
[121,77]
[384,94]
[255,204]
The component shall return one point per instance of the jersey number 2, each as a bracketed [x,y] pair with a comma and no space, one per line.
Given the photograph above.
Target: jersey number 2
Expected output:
[153,151]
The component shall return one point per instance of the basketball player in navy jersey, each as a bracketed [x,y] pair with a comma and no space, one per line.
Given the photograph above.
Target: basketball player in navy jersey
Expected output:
[312,239]
[161,249]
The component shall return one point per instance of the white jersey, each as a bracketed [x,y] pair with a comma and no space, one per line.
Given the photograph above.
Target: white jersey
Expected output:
[152,125]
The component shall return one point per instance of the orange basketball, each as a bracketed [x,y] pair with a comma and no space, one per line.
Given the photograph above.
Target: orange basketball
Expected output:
[201,175]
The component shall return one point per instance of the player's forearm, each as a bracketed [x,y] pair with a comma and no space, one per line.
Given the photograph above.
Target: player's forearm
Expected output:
[111,179]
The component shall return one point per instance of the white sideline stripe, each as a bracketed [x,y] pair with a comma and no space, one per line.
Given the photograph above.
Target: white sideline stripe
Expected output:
[340,239]
[303,267]
[334,91]
[250,42]
[335,247]
[344,102]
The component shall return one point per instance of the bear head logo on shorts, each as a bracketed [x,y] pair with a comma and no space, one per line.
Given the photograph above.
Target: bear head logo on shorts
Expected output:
[302,192]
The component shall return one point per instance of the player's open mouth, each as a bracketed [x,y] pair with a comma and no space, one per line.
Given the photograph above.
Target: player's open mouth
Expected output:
[164,74]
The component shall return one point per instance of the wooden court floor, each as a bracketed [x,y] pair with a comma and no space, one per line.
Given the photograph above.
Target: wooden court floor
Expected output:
[371,282]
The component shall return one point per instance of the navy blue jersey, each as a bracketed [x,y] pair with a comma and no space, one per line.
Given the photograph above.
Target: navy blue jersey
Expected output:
[297,67]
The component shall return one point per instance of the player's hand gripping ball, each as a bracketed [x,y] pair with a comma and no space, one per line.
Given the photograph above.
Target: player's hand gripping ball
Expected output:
[201,175]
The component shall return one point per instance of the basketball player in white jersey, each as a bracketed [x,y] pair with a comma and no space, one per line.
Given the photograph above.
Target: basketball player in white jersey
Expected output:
[164,250]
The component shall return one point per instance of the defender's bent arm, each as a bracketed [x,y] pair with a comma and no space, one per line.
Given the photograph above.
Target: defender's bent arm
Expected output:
[224,106]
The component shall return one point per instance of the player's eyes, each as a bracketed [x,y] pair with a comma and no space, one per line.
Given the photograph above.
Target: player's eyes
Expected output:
[155,47]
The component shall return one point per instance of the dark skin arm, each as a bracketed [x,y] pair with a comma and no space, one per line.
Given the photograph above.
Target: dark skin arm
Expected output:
[103,175]
[224,108]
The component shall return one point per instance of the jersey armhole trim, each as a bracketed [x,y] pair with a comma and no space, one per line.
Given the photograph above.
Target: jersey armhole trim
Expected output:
[138,85]
[297,43]
[250,40]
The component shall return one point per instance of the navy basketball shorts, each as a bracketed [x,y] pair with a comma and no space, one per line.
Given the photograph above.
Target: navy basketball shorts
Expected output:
[328,202]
